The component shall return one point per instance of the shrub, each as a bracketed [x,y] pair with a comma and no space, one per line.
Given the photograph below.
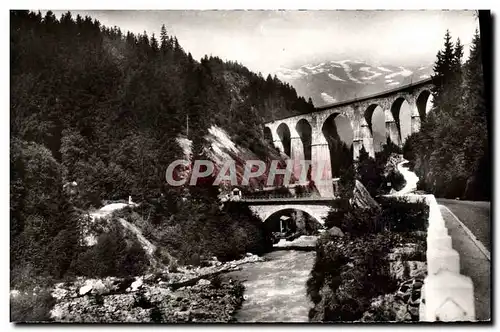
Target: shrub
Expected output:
[281,191]
[162,255]
[195,259]
[156,315]
[203,229]
[312,225]
[353,220]
[173,266]
[122,213]
[31,307]
[396,179]
[370,172]
[112,255]
[346,277]
[399,215]
[141,301]
[42,221]
[216,281]
[134,261]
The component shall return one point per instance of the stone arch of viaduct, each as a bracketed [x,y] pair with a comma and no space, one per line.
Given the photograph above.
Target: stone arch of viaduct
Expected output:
[290,137]
[264,211]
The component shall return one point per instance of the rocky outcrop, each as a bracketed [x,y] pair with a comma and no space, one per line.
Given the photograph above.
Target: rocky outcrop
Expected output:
[400,306]
[205,301]
[403,263]
[403,305]
[148,247]
[362,198]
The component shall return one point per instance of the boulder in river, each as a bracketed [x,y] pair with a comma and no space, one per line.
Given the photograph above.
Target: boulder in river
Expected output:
[136,284]
[85,289]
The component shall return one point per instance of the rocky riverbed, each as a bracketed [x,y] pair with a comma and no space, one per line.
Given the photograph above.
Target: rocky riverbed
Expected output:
[188,295]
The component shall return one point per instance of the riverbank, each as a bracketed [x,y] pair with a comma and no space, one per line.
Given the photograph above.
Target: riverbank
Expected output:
[372,278]
[188,295]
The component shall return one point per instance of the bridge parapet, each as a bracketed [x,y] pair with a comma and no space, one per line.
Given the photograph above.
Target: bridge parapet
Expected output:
[312,196]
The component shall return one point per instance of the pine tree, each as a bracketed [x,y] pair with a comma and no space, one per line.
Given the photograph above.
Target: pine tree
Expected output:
[473,79]
[154,43]
[451,150]
[474,125]
[163,38]
[457,88]
[458,54]
[443,74]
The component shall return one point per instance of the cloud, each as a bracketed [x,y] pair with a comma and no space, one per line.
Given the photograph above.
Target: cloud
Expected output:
[394,83]
[327,98]
[424,76]
[263,40]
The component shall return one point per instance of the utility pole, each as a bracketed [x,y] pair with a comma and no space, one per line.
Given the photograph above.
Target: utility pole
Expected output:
[187,125]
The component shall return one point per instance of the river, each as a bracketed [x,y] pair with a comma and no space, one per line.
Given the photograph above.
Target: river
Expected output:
[275,290]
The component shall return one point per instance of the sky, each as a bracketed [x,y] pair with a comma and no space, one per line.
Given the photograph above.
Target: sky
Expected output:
[265,40]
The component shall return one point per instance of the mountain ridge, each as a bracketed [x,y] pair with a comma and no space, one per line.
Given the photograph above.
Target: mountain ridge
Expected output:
[335,81]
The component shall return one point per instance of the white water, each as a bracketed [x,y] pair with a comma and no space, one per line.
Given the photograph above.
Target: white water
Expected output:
[275,290]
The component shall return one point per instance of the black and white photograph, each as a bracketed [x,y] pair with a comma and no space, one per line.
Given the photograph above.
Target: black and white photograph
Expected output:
[195,166]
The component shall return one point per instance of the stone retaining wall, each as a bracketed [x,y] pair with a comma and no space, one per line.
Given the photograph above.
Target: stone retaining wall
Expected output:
[446,295]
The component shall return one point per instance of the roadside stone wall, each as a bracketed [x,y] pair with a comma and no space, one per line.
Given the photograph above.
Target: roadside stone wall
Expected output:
[446,294]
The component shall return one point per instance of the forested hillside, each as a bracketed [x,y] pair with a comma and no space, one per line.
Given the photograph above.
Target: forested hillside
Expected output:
[451,153]
[95,106]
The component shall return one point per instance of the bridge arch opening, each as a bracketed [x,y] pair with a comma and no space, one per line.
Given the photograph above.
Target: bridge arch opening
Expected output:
[288,221]
[305,133]
[375,117]
[424,103]
[268,136]
[401,112]
[339,135]
[285,138]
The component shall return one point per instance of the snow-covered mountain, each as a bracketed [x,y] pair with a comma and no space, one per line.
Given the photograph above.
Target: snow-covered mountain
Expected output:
[334,81]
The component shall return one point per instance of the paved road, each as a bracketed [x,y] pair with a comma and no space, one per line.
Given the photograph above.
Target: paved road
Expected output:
[475,215]
[473,263]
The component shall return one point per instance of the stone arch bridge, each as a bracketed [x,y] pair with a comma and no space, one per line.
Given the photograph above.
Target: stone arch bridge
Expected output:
[304,137]
[316,207]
